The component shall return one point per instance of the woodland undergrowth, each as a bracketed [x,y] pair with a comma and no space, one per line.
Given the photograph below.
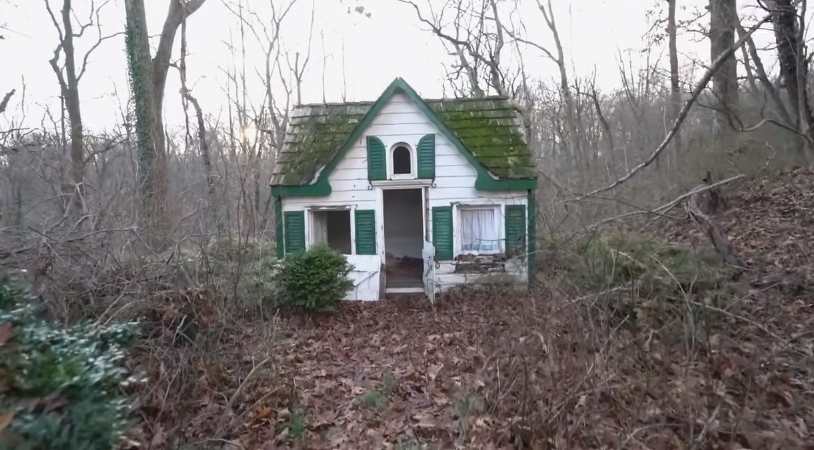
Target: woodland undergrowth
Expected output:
[636,335]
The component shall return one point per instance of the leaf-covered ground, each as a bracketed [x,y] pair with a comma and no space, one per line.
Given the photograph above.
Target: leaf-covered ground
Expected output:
[728,368]
[368,376]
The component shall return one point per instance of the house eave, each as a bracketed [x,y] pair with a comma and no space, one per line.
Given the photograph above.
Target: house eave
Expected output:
[322,188]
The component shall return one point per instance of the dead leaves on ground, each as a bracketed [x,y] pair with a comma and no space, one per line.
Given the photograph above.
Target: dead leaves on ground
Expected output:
[6,333]
[487,373]
[5,421]
[370,376]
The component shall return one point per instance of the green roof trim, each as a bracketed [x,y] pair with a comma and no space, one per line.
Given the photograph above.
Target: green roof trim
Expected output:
[487,132]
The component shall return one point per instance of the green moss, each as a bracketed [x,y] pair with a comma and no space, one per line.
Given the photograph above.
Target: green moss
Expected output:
[491,129]
[317,140]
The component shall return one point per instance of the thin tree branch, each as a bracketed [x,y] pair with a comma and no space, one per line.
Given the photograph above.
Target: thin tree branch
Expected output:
[699,88]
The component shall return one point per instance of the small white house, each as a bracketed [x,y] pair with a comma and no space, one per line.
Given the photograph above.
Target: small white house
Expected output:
[421,195]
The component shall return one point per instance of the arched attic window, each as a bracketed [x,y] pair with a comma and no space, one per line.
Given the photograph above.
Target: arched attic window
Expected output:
[402,160]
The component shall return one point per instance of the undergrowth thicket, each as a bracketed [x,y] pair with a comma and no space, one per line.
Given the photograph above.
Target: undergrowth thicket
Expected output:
[638,277]
[631,339]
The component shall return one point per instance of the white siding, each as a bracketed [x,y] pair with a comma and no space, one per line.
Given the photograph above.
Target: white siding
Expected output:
[365,276]
[400,121]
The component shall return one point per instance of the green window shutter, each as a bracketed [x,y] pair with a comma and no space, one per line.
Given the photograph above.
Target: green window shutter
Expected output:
[294,231]
[376,159]
[442,232]
[515,230]
[426,156]
[365,232]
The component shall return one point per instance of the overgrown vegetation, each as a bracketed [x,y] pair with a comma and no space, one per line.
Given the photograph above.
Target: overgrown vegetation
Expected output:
[315,279]
[640,276]
[632,340]
[239,269]
[641,260]
[60,388]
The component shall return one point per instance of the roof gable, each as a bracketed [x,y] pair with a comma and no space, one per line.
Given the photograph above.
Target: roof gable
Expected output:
[487,131]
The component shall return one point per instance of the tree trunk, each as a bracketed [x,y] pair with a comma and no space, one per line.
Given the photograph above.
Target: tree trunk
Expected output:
[148,78]
[675,88]
[723,22]
[161,61]
[793,70]
[760,74]
[151,153]
[69,90]
[568,98]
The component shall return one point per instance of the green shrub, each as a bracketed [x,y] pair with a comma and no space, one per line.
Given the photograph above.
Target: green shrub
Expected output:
[62,387]
[644,280]
[654,266]
[315,279]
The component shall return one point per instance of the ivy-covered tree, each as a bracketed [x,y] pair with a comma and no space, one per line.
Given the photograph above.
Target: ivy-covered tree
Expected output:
[148,78]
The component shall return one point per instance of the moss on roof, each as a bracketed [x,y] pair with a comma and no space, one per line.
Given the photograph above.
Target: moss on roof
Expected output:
[315,134]
[490,128]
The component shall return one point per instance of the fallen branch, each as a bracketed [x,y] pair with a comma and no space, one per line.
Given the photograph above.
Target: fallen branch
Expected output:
[699,88]
[713,231]
[663,209]
[236,395]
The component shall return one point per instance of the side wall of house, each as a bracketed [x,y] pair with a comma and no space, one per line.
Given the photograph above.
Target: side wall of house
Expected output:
[349,182]
[400,121]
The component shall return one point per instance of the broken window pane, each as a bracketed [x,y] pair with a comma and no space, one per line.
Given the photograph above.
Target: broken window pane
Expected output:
[332,228]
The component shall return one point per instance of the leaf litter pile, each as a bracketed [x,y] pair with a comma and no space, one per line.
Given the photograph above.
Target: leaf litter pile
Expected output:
[657,362]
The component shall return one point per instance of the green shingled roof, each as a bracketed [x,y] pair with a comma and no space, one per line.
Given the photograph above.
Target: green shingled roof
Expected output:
[489,131]
[492,129]
[314,136]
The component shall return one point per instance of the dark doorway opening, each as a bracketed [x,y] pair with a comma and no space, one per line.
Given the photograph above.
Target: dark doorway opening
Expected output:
[403,237]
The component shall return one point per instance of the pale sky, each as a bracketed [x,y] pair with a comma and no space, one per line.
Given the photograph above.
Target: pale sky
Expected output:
[390,43]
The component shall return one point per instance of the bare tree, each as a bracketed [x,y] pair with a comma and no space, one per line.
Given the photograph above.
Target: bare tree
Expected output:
[69,74]
[203,142]
[273,119]
[558,58]
[765,82]
[267,34]
[476,39]
[789,31]
[675,86]
[4,101]
[148,76]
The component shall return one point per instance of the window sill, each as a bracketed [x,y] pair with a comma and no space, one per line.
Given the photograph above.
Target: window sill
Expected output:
[402,182]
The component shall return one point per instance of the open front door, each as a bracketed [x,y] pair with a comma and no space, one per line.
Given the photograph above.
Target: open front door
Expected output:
[428,255]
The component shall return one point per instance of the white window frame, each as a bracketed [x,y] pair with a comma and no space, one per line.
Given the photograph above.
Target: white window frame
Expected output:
[391,165]
[457,220]
[309,218]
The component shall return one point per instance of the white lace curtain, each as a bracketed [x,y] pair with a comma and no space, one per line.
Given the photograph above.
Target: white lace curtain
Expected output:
[478,231]
[319,227]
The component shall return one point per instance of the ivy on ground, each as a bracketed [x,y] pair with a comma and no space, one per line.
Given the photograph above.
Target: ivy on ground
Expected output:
[60,388]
